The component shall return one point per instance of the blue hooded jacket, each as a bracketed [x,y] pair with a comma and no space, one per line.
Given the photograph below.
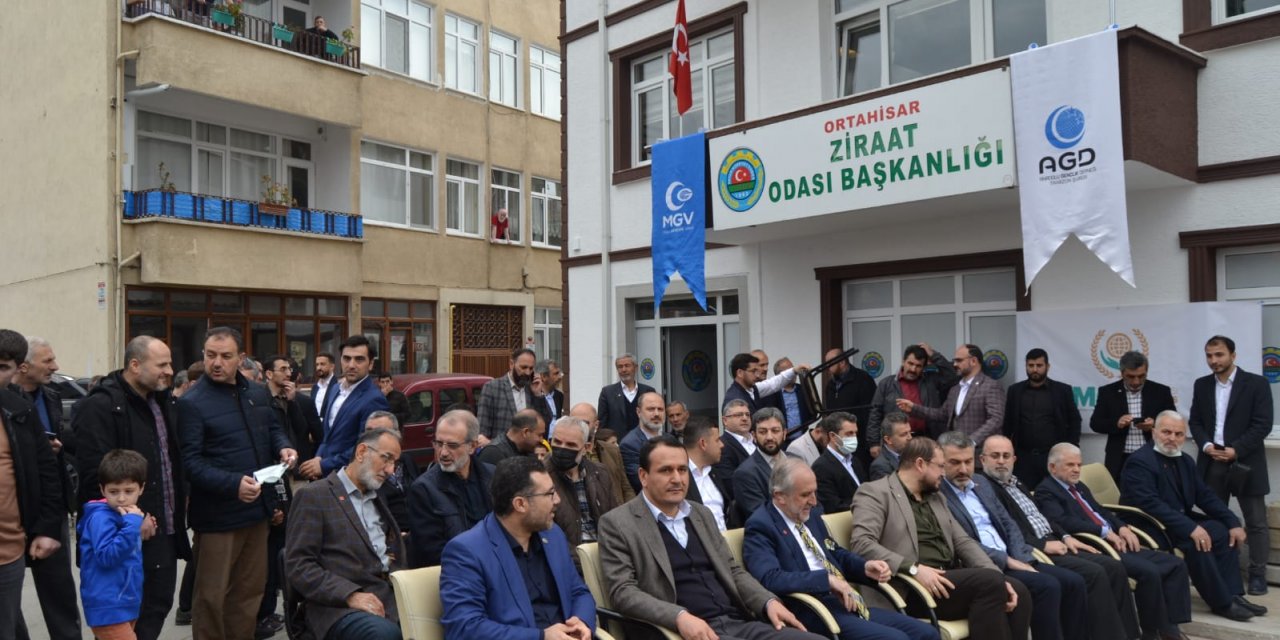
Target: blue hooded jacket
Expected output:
[110,564]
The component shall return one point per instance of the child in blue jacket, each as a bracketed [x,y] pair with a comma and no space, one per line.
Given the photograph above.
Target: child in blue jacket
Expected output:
[110,534]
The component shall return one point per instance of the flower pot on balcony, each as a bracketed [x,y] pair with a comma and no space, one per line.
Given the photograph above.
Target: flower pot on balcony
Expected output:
[281,33]
[271,208]
[224,18]
[334,47]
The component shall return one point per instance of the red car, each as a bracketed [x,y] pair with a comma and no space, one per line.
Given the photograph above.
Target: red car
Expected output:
[430,396]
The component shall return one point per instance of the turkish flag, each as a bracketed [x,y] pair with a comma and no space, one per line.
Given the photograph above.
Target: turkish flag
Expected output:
[679,67]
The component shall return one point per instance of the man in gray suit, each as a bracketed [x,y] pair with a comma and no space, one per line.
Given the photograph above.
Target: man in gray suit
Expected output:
[665,562]
[974,406]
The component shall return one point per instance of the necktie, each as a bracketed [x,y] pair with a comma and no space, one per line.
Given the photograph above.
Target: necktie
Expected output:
[831,568]
[1088,511]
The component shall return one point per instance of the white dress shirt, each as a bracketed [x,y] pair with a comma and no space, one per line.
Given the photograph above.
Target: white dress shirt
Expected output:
[748,441]
[815,563]
[344,390]
[1221,398]
[964,392]
[317,392]
[711,496]
[630,393]
[675,525]
[847,463]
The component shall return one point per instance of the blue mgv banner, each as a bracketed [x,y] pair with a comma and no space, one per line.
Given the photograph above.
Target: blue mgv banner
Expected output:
[679,215]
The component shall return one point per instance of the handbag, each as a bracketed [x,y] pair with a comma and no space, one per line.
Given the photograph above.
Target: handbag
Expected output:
[1237,476]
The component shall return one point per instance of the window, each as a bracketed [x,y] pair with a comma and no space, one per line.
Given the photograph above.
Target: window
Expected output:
[546,216]
[1229,9]
[462,197]
[504,65]
[1253,273]
[504,193]
[924,37]
[404,332]
[544,82]
[546,334]
[397,36]
[653,98]
[461,54]
[397,186]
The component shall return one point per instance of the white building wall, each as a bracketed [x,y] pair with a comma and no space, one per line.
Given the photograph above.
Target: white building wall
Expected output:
[1238,91]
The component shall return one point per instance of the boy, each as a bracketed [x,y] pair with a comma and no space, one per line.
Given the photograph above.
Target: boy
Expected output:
[110,534]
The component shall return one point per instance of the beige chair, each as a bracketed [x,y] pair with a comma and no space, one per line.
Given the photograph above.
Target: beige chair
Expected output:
[589,558]
[733,537]
[1104,489]
[418,599]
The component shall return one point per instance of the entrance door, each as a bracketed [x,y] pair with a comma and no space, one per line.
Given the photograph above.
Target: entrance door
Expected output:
[484,337]
[295,13]
[690,357]
[399,340]
[297,175]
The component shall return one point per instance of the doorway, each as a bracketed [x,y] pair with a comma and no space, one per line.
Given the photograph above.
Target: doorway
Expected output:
[689,354]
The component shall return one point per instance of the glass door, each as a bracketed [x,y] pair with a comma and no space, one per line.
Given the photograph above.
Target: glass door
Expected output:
[399,341]
[210,175]
[298,179]
[295,13]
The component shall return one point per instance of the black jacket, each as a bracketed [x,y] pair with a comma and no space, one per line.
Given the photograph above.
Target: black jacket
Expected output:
[1033,449]
[34,468]
[1056,532]
[301,423]
[399,406]
[114,416]
[1248,422]
[498,450]
[731,520]
[63,458]
[1113,402]
[436,513]
[835,487]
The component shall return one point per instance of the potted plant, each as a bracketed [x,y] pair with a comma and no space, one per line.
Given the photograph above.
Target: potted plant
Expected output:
[281,32]
[339,48]
[276,198]
[228,14]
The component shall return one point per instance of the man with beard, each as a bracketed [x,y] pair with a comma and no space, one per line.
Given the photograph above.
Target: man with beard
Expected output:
[501,398]
[850,389]
[585,487]
[749,388]
[343,542]
[761,371]
[895,434]
[917,383]
[838,471]
[453,494]
[738,441]
[522,438]
[324,378]
[606,453]
[677,417]
[651,412]
[974,406]
[616,406]
[1038,414]
[1126,410]
[346,407]
[791,404]
[751,480]
[904,521]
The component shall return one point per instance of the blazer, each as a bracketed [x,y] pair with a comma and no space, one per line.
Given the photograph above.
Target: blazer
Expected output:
[805,448]
[835,487]
[731,519]
[731,457]
[496,406]
[771,551]
[608,455]
[751,485]
[852,392]
[436,513]
[1003,493]
[1004,524]
[934,383]
[885,527]
[557,399]
[482,591]
[1113,402]
[1146,485]
[341,433]
[981,415]
[637,573]
[328,554]
[1058,506]
[884,464]
[602,497]
[629,448]
[1066,417]
[1248,421]
[615,412]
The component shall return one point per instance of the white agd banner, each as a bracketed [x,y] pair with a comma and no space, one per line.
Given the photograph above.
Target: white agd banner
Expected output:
[940,140]
[1085,345]
[1066,120]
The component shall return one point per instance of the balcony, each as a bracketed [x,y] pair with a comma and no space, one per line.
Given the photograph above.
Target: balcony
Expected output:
[242,25]
[192,207]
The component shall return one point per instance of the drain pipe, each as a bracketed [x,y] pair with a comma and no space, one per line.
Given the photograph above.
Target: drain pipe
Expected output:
[115,341]
[606,192]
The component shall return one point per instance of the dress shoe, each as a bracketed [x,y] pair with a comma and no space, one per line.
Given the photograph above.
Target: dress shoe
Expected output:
[1257,585]
[1235,612]
[1173,635]
[1255,609]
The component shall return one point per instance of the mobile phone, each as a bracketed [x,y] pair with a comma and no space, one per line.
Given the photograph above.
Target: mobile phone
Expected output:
[1218,447]
[52,435]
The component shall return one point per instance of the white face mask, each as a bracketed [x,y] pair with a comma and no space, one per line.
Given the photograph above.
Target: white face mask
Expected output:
[849,444]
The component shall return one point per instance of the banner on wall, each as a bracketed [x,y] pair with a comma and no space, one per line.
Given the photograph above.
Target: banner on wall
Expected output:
[1067,130]
[1085,345]
[679,215]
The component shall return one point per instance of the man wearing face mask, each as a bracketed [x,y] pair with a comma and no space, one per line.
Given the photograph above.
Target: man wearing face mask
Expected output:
[838,470]
[586,489]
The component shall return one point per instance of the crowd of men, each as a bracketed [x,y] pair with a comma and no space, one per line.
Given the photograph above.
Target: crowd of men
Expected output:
[970,491]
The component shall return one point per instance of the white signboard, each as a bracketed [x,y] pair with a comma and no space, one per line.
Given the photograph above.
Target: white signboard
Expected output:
[1085,345]
[944,139]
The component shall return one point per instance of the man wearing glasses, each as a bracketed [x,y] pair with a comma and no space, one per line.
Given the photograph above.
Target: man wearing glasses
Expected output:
[974,406]
[453,495]
[343,543]
[518,545]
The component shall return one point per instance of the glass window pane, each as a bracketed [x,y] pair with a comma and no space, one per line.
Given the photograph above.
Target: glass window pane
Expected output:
[649,69]
[551,91]
[649,119]
[1251,270]
[370,35]
[264,304]
[862,59]
[1241,7]
[397,309]
[397,48]
[420,12]
[157,123]
[419,51]
[246,173]
[990,287]
[467,67]
[471,205]
[1018,24]
[300,343]
[147,326]
[424,347]
[186,301]
[331,307]
[381,152]
[873,336]
[539,213]
[382,193]
[724,96]
[924,291]
[264,339]
[421,199]
[186,340]
[721,45]
[682,308]
[554,316]
[452,205]
[300,306]
[692,120]
[729,305]
[252,141]
[420,161]
[331,336]
[373,308]
[211,133]
[868,295]
[297,149]
[996,333]
[424,309]
[227,303]
[933,328]
[210,167]
[553,223]
[451,61]
[1271,338]
[399,6]
[927,36]
[176,157]
[144,300]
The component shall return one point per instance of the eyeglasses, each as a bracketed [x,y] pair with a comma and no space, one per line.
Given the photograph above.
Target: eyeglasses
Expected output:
[452,446]
[546,494]
[387,458]
[742,414]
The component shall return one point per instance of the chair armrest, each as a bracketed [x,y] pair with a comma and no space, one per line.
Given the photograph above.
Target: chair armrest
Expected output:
[818,609]
[1098,543]
[892,595]
[1144,525]
[1119,509]
[611,615]
[914,588]
[1041,557]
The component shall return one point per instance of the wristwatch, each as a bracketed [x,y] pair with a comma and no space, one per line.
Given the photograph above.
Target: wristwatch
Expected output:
[913,569]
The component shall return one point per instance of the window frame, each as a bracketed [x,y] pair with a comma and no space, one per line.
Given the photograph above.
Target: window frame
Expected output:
[546,199]
[543,329]
[385,323]
[432,223]
[542,69]
[1266,296]
[1219,9]
[462,182]
[451,81]
[381,55]
[518,192]
[503,56]
[706,67]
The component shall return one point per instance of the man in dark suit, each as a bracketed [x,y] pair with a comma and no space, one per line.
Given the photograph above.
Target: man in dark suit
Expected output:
[1231,413]
[1161,480]
[1126,410]
[850,389]
[342,542]
[651,411]
[917,382]
[896,433]
[787,548]
[1163,592]
[838,470]
[347,404]
[745,387]
[791,404]
[521,438]
[502,397]
[510,577]
[974,406]
[1038,414]
[395,398]
[706,486]
[739,441]
[751,480]
[664,561]
[453,494]
[617,404]
[549,373]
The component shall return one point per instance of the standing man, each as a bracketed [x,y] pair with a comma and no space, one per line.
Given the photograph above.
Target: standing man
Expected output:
[1231,413]
[1126,410]
[1038,414]
[324,378]
[299,419]
[522,438]
[743,368]
[617,404]
[751,480]
[896,433]
[839,472]
[52,575]
[453,494]
[501,398]
[850,389]
[974,406]
[396,400]
[347,405]
[706,487]
[917,383]
[227,431]
[585,487]
[762,373]
[651,414]
[131,408]
[552,395]
[606,453]
[791,405]
[677,417]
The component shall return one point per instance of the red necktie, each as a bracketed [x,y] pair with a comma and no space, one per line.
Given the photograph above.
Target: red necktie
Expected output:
[1088,511]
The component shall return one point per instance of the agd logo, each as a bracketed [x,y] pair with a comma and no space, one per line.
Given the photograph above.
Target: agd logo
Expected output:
[1064,129]
[741,179]
[1106,353]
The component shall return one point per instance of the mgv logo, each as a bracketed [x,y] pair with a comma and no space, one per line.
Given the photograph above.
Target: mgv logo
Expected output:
[1064,129]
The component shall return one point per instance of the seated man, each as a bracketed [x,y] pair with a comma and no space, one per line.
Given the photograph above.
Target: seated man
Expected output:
[1167,487]
[896,431]
[453,495]
[902,520]
[342,542]
[395,490]
[652,412]
[783,547]
[1163,593]
[1057,595]
[521,438]
[665,563]
[510,577]
[839,472]
[586,489]
[703,444]
[751,480]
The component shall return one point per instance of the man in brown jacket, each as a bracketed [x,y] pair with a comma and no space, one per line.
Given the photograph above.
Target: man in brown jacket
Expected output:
[607,454]
[975,405]
[586,489]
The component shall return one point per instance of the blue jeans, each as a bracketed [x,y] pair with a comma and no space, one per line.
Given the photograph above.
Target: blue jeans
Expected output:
[11,577]
[359,625]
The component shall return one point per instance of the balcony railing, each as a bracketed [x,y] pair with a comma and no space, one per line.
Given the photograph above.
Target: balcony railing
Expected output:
[155,203]
[205,14]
